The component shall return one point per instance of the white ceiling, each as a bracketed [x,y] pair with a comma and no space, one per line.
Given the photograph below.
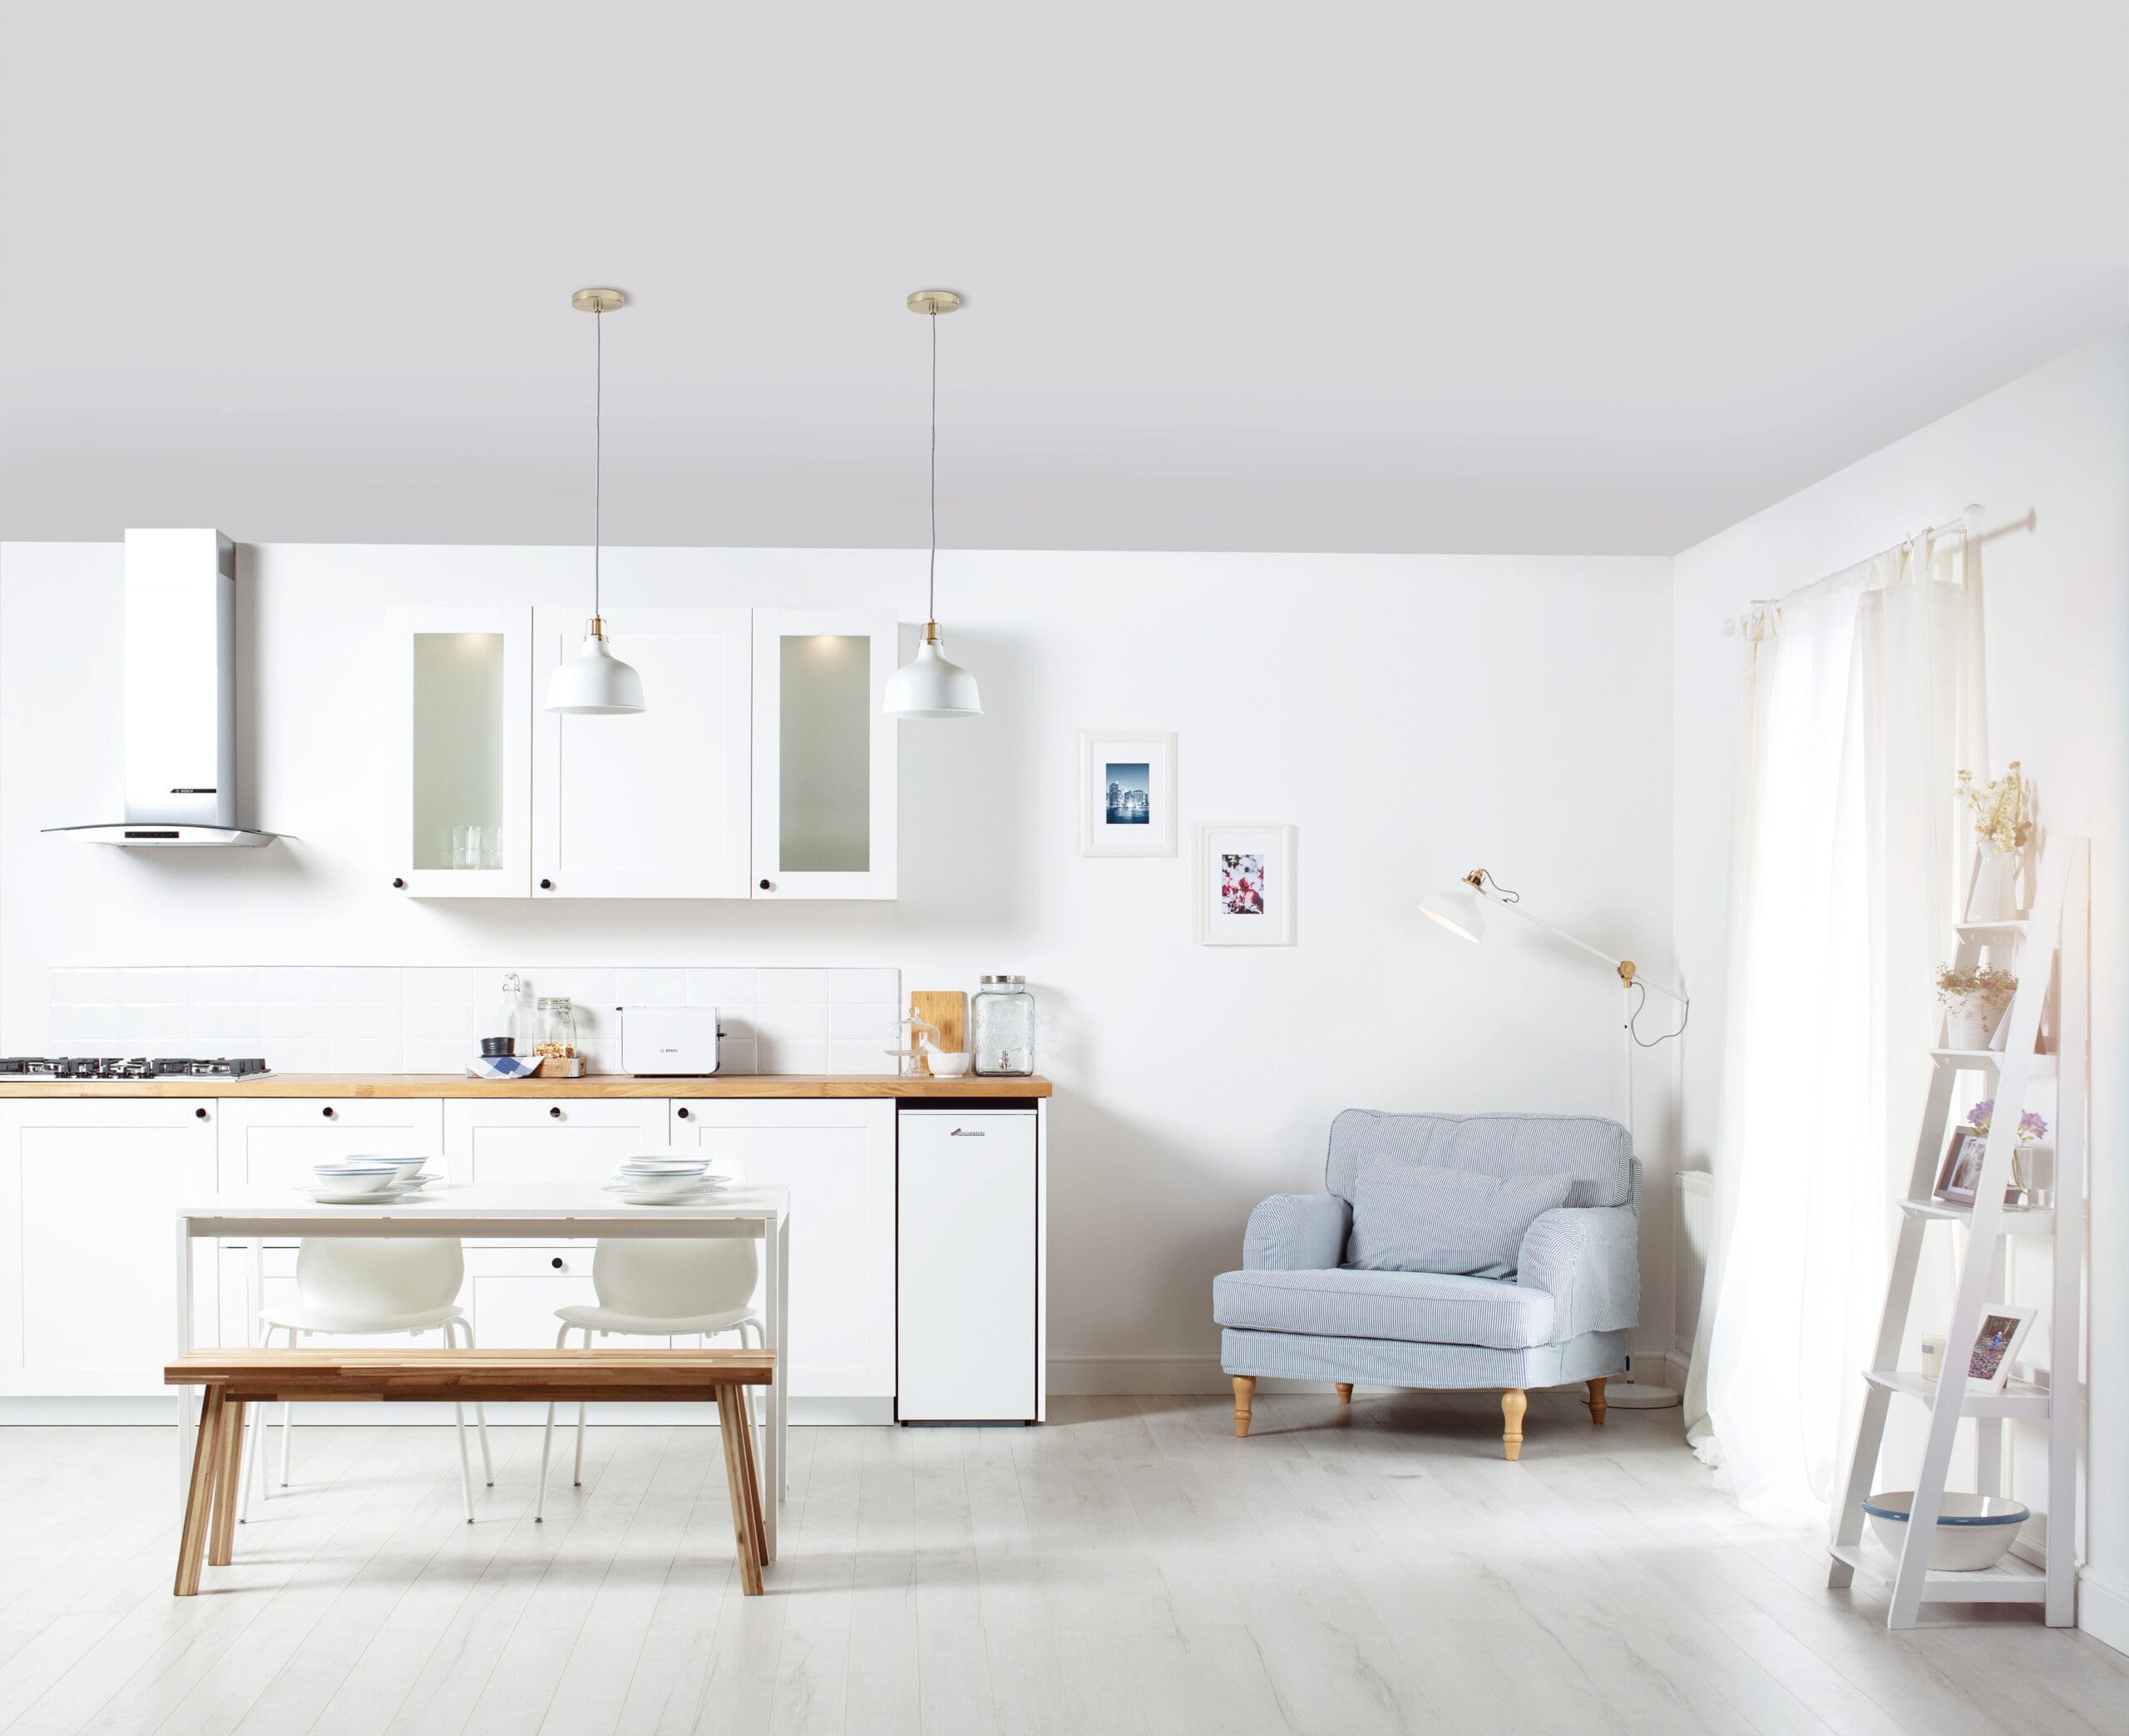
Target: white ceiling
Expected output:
[1386,277]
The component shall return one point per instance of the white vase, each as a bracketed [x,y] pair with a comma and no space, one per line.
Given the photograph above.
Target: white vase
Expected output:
[1995,897]
[1966,1023]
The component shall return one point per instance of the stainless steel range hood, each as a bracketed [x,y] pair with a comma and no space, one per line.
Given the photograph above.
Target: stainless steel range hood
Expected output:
[181,695]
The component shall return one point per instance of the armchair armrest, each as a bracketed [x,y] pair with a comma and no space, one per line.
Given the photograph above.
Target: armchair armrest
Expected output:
[1586,1258]
[1296,1233]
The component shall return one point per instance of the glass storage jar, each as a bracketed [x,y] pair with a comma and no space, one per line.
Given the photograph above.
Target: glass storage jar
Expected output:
[1002,1027]
[557,1039]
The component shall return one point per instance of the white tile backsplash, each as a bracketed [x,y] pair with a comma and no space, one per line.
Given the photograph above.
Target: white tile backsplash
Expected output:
[428,1018]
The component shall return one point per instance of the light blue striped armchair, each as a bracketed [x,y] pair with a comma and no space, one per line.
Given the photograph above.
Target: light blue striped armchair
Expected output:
[1300,1308]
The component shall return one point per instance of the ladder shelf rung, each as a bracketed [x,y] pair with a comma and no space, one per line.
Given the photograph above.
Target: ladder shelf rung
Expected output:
[2008,925]
[2016,1220]
[1989,1061]
[2010,1580]
[2018,1398]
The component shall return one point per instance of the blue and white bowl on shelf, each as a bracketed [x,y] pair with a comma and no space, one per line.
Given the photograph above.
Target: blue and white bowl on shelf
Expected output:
[1972,1530]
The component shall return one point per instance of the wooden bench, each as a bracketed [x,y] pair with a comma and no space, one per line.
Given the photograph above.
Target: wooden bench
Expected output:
[235,1380]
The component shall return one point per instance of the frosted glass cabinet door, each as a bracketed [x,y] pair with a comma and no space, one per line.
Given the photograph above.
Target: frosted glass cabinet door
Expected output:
[652,804]
[824,757]
[459,710]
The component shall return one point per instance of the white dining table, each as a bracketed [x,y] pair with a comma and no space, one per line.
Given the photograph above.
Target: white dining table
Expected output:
[473,1213]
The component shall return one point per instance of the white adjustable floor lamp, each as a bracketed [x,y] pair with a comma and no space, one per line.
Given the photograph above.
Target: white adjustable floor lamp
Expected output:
[1457,908]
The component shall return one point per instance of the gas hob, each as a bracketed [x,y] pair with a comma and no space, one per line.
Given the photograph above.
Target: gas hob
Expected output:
[116,1067]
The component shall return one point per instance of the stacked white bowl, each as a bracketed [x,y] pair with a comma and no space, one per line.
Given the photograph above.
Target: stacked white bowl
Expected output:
[358,1175]
[660,1175]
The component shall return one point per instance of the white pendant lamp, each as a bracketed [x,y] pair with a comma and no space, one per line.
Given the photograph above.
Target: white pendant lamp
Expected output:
[594,683]
[928,685]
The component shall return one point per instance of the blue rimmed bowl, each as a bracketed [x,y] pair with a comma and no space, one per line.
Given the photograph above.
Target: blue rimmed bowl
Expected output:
[1972,1530]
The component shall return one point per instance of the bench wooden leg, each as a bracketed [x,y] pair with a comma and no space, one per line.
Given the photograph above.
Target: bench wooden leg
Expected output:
[1345,1391]
[1512,1404]
[200,1497]
[728,1406]
[750,1466]
[1245,1388]
[221,1533]
[1597,1400]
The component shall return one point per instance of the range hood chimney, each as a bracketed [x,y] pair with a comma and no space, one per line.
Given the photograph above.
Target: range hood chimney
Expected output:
[181,695]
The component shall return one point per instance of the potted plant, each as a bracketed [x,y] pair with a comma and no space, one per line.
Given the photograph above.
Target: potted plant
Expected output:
[2004,824]
[1974,998]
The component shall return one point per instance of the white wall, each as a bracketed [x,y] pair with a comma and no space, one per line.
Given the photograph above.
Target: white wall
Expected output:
[2056,603]
[1412,716]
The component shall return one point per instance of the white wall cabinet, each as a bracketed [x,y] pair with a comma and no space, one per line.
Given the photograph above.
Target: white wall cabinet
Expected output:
[89,1192]
[654,804]
[824,773]
[458,706]
[837,1158]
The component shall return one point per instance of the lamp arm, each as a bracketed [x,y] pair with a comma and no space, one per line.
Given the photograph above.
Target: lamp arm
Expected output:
[1624,967]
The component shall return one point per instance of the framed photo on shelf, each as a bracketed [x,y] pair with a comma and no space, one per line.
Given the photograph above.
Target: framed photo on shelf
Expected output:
[1995,1346]
[1245,885]
[1126,793]
[1961,1169]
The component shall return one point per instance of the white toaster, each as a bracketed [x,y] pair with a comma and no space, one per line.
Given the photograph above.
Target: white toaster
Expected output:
[661,1041]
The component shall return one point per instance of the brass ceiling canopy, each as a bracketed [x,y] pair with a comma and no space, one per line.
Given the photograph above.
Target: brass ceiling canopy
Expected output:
[597,301]
[933,301]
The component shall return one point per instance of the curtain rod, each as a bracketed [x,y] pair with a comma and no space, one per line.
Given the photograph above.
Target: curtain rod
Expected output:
[1964,524]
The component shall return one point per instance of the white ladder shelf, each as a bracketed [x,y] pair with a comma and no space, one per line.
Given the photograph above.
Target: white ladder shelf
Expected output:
[2053,982]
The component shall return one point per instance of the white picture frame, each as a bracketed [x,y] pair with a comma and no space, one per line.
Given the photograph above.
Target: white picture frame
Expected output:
[1995,1346]
[1141,763]
[1245,874]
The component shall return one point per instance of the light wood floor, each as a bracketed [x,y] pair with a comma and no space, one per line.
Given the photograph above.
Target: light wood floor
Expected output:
[1130,1567]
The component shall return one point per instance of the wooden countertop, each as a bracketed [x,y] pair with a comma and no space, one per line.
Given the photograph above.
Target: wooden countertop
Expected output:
[593,1085]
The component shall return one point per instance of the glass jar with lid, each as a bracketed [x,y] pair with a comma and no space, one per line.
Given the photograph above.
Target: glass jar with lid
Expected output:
[1002,1026]
[556,1043]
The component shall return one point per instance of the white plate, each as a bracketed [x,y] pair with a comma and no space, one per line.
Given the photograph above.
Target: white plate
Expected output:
[372,1197]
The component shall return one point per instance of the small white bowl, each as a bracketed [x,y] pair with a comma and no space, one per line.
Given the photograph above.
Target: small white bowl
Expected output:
[949,1067]
[403,1169]
[658,1186]
[1972,1530]
[357,1178]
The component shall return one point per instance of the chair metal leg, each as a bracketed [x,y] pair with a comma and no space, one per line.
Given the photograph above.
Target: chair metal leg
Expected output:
[251,1461]
[576,1476]
[547,1446]
[480,1411]
[287,1416]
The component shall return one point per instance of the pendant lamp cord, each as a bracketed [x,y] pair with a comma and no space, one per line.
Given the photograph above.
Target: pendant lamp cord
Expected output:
[932,571]
[598,442]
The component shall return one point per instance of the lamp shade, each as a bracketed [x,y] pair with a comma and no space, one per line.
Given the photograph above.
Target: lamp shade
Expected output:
[928,686]
[594,682]
[1456,909]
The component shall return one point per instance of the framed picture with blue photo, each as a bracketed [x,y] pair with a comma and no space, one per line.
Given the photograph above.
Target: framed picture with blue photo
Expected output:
[1126,793]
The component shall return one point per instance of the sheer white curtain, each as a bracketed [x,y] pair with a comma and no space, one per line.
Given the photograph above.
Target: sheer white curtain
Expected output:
[1859,708]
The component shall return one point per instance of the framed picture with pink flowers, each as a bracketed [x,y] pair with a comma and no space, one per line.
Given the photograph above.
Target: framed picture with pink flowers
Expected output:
[1245,885]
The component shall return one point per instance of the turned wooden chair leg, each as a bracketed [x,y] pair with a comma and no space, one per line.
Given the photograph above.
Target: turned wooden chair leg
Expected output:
[1345,1391]
[1597,1400]
[1512,1404]
[1245,1387]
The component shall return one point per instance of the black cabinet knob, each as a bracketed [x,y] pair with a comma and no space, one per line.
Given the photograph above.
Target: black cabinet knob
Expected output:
[547,885]
[327,1112]
[201,1113]
[556,1262]
[397,884]
[685,1113]
[765,886]
[556,1112]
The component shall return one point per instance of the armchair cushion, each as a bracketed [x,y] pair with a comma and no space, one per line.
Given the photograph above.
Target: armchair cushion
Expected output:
[1292,1232]
[1428,1308]
[1587,1261]
[1415,1217]
[1597,1152]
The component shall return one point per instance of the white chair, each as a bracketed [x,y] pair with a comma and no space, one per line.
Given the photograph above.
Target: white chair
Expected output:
[359,1285]
[659,1289]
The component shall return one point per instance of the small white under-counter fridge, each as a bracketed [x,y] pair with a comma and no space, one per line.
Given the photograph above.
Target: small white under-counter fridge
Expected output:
[968,1213]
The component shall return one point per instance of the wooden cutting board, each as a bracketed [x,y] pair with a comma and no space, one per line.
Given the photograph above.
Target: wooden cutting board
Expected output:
[946,1009]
